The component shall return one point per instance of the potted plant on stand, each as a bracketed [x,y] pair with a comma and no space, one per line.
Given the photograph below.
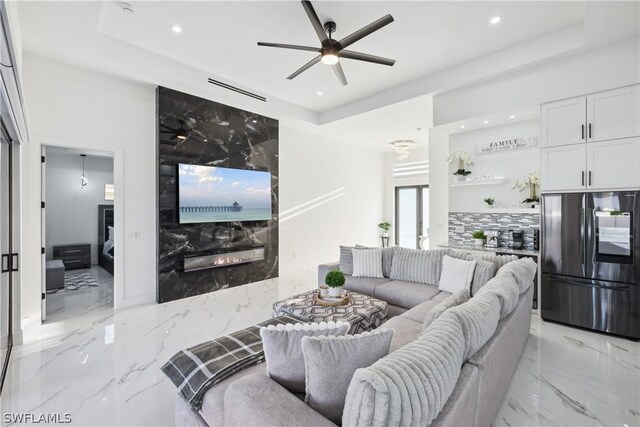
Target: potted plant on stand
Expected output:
[463,159]
[532,181]
[384,228]
[334,280]
[478,237]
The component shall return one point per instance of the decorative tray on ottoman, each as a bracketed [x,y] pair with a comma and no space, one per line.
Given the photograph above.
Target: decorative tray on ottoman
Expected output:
[328,301]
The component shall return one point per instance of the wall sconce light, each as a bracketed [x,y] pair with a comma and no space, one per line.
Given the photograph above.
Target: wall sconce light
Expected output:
[83,181]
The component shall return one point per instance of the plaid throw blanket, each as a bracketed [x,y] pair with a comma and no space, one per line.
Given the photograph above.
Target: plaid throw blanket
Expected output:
[198,368]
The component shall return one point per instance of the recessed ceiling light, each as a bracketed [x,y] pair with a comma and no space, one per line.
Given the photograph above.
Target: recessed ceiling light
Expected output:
[176,29]
[254,121]
[512,116]
[127,7]
[495,20]
[486,122]
[461,126]
[205,140]
[319,93]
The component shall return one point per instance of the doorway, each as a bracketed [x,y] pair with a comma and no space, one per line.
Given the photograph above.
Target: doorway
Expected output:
[78,238]
[412,216]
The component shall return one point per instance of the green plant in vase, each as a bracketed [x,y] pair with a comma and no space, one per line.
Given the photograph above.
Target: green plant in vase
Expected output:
[385,227]
[463,159]
[334,280]
[478,237]
[489,201]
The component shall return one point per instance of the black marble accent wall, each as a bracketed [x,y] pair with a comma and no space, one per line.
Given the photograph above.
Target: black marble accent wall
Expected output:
[221,136]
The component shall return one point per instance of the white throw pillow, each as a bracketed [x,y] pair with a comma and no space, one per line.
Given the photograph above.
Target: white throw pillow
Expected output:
[457,274]
[367,263]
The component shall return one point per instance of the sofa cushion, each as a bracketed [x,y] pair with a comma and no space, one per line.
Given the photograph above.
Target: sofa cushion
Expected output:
[346,259]
[420,311]
[436,311]
[212,409]
[330,363]
[363,285]
[406,330]
[405,294]
[523,271]
[283,350]
[478,317]
[505,288]
[457,274]
[411,385]
[497,260]
[416,265]
[387,260]
[367,263]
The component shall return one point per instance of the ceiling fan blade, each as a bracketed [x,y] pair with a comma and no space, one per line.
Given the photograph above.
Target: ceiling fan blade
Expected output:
[349,54]
[305,67]
[365,31]
[337,68]
[315,22]
[290,46]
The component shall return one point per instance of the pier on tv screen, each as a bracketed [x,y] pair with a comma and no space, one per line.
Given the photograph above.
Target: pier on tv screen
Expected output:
[213,194]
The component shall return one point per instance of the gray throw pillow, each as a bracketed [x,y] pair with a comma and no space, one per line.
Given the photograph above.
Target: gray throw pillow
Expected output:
[282,346]
[451,301]
[330,363]
[387,260]
[417,265]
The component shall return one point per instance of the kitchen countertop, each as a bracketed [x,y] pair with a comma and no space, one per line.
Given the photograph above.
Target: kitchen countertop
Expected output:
[524,252]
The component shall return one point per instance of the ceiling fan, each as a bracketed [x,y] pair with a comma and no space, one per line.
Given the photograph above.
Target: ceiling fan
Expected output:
[331,50]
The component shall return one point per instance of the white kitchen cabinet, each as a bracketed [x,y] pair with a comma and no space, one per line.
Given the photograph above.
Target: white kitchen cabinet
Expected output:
[564,168]
[563,122]
[613,114]
[613,164]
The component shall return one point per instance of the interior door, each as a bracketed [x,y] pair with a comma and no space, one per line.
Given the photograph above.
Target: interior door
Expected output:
[564,168]
[613,164]
[563,122]
[613,114]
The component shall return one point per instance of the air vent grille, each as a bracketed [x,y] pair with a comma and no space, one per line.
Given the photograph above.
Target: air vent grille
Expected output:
[238,90]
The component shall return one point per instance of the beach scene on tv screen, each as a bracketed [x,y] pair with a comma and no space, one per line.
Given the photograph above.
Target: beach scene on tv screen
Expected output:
[212,194]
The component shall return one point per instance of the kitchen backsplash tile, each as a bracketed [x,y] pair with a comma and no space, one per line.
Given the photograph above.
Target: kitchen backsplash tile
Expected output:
[488,221]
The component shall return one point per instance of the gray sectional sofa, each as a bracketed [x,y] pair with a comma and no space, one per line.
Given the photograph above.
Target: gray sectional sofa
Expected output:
[488,334]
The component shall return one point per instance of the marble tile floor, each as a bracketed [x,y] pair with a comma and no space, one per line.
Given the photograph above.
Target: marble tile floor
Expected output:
[64,305]
[107,371]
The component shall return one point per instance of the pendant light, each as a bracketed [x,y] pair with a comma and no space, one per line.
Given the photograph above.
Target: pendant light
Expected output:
[83,181]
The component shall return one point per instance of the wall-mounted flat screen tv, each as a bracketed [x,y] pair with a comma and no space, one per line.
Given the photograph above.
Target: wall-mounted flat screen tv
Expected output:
[213,194]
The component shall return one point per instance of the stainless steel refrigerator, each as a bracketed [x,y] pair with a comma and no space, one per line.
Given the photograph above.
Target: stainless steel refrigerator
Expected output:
[591,261]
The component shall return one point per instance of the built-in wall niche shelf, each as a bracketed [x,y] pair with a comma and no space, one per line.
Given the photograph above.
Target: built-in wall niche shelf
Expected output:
[484,181]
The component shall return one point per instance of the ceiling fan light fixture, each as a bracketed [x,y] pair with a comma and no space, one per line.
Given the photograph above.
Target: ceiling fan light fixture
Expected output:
[330,59]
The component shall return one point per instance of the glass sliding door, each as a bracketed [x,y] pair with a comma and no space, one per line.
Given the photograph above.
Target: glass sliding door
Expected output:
[412,215]
[9,261]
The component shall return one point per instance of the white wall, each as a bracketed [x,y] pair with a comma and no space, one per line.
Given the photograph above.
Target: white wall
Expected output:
[112,114]
[72,211]
[330,195]
[510,164]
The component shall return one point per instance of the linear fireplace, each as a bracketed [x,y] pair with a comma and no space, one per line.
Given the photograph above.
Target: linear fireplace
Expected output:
[225,259]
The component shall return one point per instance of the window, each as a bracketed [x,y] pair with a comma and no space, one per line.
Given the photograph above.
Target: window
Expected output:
[412,216]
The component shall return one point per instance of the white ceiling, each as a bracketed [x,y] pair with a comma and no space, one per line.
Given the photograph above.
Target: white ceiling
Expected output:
[219,38]
[425,37]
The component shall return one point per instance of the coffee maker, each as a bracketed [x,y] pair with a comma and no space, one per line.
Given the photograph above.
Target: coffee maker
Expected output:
[517,237]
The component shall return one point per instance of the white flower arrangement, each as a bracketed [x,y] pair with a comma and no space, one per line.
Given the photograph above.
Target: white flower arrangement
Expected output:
[462,156]
[531,181]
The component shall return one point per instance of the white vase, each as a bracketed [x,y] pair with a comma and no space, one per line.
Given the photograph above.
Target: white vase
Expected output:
[335,292]
[478,242]
[460,178]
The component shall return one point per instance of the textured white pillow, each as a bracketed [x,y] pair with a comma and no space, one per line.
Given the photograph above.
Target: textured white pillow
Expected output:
[367,263]
[457,274]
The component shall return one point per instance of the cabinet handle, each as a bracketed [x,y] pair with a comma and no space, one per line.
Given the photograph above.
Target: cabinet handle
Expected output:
[589,130]
[6,263]
[589,178]
[582,177]
[582,132]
